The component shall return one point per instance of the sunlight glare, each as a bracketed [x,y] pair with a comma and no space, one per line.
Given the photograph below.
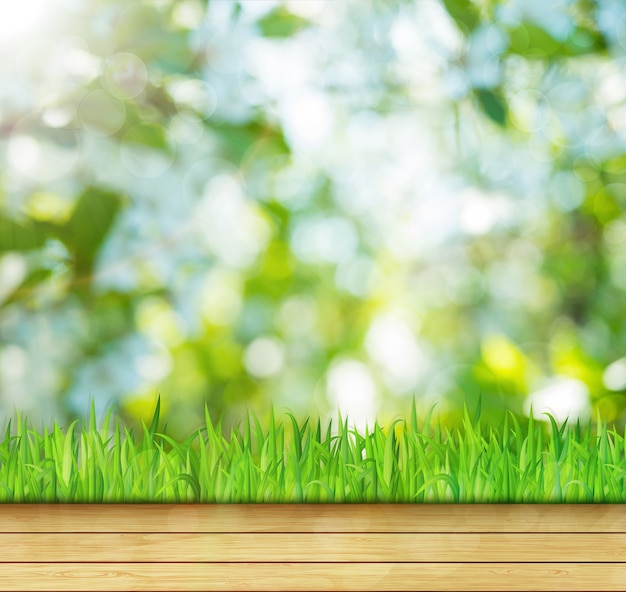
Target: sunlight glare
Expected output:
[18,19]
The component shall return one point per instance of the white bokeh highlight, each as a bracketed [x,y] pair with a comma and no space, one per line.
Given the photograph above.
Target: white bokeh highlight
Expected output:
[264,357]
[562,397]
[353,393]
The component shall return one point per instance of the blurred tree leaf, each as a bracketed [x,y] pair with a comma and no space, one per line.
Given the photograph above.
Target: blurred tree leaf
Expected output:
[604,206]
[111,318]
[493,104]
[90,222]
[237,140]
[274,274]
[147,134]
[144,31]
[17,236]
[281,217]
[584,40]
[30,282]
[528,37]
[281,23]
[464,13]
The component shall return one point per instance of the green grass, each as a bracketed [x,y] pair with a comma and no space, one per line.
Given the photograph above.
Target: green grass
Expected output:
[538,464]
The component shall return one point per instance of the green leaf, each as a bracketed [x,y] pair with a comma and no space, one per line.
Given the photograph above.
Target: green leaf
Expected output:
[441,477]
[143,28]
[68,453]
[90,222]
[329,491]
[527,38]
[493,104]
[583,41]
[236,140]
[17,236]
[556,435]
[155,418]
[93,426]
[147,134]
[281,23]
[297,436]
[33,279]
[390,461]
[464,13]
[413,417]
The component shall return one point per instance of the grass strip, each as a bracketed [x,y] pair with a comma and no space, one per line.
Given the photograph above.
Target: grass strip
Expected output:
[394,465]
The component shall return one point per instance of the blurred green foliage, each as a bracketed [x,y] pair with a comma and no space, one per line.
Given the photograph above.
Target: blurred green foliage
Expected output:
[236,202]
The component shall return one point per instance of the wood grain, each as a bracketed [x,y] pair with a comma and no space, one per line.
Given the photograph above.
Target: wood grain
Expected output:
[312,547]
[335,577]
[352,518]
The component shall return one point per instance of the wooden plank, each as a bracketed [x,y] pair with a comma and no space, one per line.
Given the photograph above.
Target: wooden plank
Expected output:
[336,577]
[354,518]
[310,548]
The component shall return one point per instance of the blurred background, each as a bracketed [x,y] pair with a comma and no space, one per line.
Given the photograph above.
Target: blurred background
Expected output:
[320,205]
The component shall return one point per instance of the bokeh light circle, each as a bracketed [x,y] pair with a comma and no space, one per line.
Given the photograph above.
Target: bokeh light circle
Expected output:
[125,76]
[194,98]
[42,154]
[186,128]
[60,107]
[139,157]
[198,176]
[101,114]
[530,110]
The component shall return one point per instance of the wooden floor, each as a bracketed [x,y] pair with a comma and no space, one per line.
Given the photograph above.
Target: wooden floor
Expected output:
[312,547]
